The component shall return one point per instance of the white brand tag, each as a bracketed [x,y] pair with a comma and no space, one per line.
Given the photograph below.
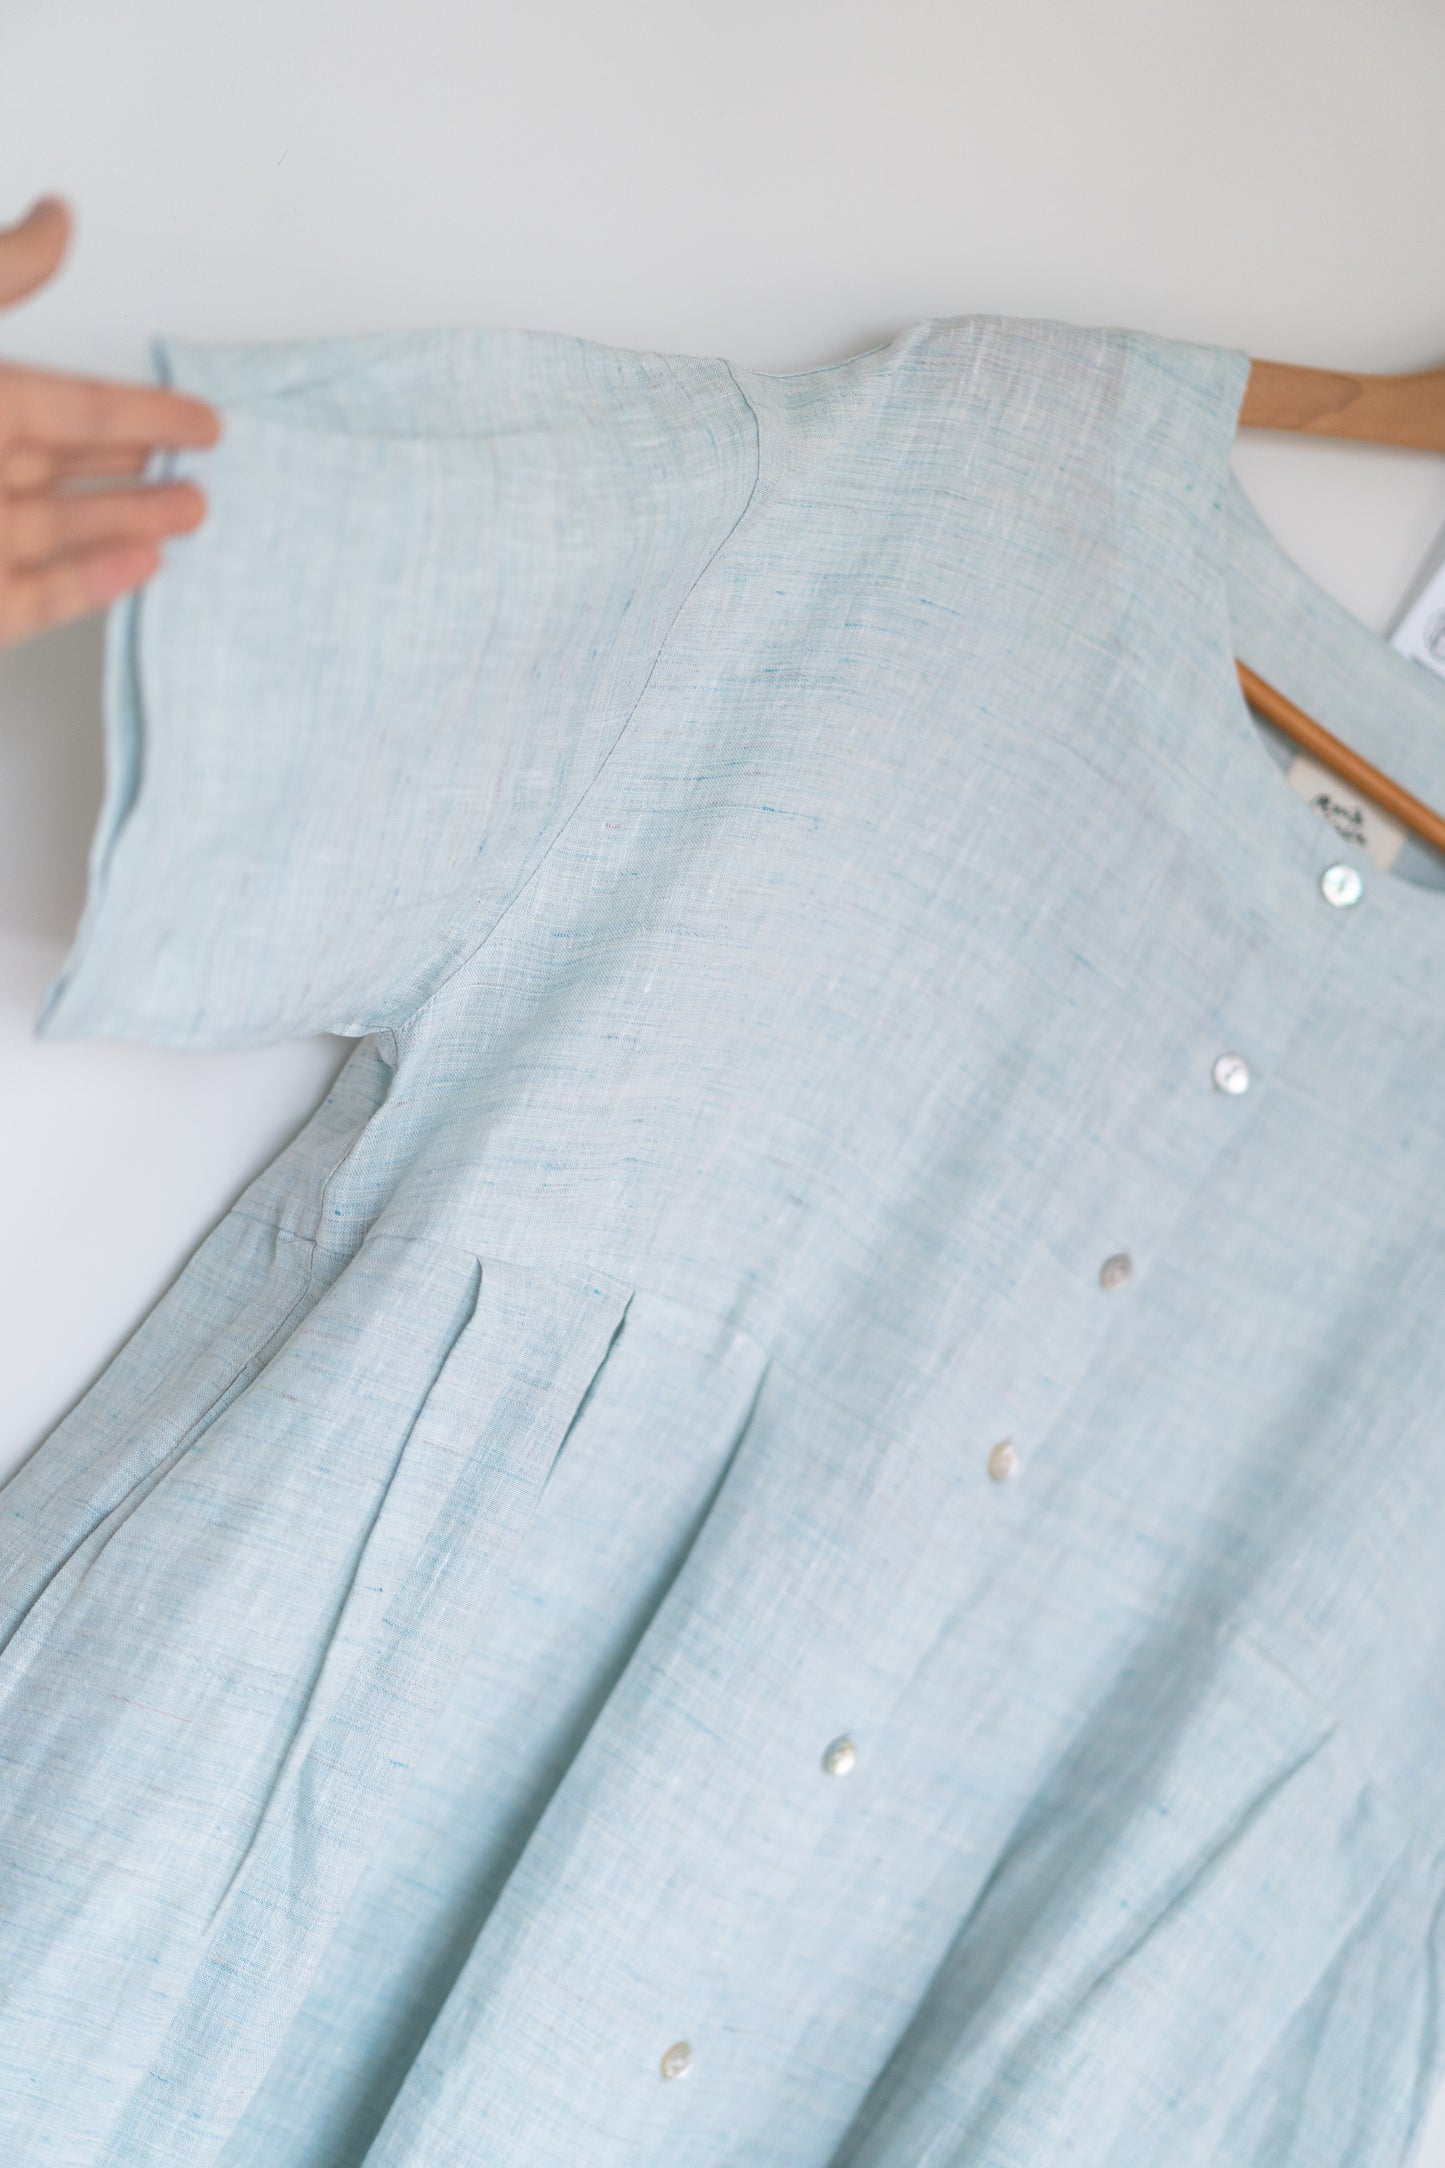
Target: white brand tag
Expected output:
[1358,820]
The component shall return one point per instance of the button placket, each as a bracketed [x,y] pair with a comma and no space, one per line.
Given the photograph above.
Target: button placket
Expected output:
[1135,1180]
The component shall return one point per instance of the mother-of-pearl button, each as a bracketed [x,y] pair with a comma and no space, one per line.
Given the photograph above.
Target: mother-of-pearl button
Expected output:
[677,2062]
[1231,1073]
[1115,1270]
[1341,884]
[840,1757]
[1003,1460]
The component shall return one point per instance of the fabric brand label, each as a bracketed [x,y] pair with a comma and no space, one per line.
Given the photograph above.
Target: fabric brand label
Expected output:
[1355,818]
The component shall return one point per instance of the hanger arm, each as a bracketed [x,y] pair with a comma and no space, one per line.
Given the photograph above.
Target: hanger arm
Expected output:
[1312,738]
[1406,410]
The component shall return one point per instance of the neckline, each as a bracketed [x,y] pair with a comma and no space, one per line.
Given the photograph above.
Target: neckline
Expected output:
[1271,846]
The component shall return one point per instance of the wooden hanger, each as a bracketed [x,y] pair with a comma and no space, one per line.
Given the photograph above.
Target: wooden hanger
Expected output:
[1408,410]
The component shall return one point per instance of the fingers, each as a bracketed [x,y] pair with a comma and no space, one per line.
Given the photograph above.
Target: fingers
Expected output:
[28,467]
[75,413]
[35,529]
[67,550]
[100,459]
[30,250]
[34,601]
[66,555]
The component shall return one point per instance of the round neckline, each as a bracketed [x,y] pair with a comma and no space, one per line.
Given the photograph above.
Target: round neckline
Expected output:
[1270,847]
[1271,844]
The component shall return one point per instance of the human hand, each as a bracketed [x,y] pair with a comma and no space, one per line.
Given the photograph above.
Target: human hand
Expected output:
[66,549]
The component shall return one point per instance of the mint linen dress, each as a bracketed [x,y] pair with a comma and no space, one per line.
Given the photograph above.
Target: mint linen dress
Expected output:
[805,1526]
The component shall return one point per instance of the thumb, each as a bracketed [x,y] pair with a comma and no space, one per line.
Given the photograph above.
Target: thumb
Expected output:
[31,250]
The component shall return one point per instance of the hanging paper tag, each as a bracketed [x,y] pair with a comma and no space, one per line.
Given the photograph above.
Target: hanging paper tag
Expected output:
[1358,820]
[1420,632]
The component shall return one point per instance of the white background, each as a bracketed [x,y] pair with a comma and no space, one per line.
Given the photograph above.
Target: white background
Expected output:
[780,181]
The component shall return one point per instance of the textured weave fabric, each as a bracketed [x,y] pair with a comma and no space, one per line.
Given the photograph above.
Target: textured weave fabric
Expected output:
[543,1603]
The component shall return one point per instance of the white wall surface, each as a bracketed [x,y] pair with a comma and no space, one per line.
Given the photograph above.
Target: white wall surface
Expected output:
[780,181]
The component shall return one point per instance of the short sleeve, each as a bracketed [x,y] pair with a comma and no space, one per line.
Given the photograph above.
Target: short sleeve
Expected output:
[350,714]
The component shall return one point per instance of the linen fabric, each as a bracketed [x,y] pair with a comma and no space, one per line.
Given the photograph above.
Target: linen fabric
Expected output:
[645,1601]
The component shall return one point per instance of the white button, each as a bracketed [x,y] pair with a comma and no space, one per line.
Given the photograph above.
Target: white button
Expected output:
[1003,1460]
[1341,884]
[840,1757]
[677,2062]
[1115,1270]
[1231,1073]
